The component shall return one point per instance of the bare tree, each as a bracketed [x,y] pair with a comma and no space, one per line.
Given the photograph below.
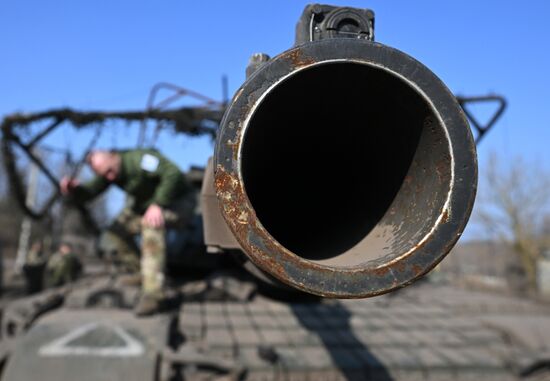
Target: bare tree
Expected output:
[513,207]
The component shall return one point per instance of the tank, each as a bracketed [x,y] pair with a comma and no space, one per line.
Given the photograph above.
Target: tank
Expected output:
[343,169]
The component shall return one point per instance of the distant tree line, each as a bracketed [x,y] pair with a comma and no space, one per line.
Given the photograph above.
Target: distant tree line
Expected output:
[513,207]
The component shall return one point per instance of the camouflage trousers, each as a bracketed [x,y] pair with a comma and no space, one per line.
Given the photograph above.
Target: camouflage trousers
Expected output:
[151,264]
[62,269]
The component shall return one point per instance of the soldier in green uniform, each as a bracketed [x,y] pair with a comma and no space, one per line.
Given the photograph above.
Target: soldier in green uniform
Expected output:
[158,192]
[63,266]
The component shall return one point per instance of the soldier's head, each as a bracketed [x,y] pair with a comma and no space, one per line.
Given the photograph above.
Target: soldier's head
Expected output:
[65,248]
[36,247]
[104,163]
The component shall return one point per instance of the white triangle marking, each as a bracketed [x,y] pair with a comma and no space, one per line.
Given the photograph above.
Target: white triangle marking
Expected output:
[60,347]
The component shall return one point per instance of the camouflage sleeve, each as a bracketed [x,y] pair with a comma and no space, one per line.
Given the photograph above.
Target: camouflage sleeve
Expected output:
[55,270]
[171,184]
[91,189]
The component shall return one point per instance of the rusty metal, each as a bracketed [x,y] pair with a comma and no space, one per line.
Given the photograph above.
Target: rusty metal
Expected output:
[273,116]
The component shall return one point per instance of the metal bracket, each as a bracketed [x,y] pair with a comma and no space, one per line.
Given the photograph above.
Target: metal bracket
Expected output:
[482,129]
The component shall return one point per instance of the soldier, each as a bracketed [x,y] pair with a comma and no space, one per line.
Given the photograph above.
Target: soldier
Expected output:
[63,266]
[158,193]
[33,269]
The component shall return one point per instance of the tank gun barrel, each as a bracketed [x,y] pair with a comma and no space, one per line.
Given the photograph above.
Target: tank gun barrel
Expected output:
[344,167]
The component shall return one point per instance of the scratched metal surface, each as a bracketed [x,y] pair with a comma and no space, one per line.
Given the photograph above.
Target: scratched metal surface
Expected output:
[417,246]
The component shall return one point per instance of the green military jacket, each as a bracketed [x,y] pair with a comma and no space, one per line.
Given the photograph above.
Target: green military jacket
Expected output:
[146,175]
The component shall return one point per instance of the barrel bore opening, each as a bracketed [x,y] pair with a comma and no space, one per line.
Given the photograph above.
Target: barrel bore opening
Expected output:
[346,164]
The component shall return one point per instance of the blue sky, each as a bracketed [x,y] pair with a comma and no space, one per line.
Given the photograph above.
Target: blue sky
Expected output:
[108,54]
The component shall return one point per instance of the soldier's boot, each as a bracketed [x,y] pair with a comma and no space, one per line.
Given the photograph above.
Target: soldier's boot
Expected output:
[147,305]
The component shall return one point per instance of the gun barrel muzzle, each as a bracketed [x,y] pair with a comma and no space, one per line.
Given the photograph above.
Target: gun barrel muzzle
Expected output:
[345,168]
